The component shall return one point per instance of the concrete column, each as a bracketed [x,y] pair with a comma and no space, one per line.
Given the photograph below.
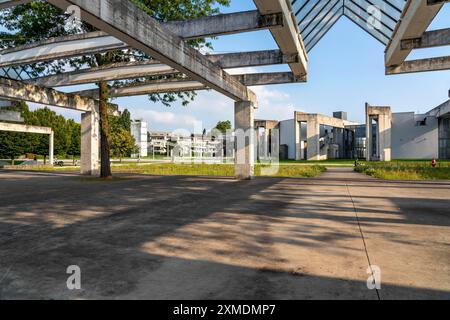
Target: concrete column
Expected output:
[298,139]
[90,136]
[313,137]
[257,145]
[384,137]
[245,136]
[51,147]
[369,139]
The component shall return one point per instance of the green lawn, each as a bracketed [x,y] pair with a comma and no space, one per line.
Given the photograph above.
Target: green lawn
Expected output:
[406,170]
[223,170]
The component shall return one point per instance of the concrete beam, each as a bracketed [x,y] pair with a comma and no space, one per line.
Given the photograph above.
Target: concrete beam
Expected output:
[125,21]
[134,70]
[288,38]
[5,4]
[16,90]
[413,23]
[260,79]
[253,59]
[187,84]
[422,65]
[224,24]
[118,71]
[13,127]
[430,39]
[60,47]
[148,87]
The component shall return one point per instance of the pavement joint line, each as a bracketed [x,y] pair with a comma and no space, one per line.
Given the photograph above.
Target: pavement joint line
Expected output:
[362,237]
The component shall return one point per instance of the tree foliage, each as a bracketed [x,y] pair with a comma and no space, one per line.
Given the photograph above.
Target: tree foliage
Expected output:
[39,20]
[223,126]
[122,144]
[66,141]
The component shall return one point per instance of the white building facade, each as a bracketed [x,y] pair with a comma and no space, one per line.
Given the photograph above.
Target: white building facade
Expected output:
[139,130]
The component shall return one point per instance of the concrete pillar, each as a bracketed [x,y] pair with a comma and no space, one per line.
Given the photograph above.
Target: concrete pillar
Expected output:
[313,137]
[245,136]
[369,139]
[384,137]
[90,136]
[51,148]
[257,144]
[298,139]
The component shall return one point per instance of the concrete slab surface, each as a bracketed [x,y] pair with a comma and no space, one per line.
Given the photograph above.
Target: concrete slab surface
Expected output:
[151,237]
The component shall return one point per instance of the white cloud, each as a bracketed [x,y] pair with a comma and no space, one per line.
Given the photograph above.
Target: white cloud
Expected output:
[169,119]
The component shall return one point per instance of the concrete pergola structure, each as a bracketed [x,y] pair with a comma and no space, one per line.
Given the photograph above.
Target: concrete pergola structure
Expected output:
[411,33]
[381,149]
[263,145]
[313,123]
[15,127]
[123,25]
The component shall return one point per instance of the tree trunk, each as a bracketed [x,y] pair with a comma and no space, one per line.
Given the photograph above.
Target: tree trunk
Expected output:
[105,148]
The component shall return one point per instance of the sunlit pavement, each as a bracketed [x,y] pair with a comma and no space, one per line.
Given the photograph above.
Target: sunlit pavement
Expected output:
[150,237]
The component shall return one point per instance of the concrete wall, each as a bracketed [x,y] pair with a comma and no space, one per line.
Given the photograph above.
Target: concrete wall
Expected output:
[287,137]
[410,141]
[139,130]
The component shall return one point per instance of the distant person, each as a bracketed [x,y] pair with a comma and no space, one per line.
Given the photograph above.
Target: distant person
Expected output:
[434,163]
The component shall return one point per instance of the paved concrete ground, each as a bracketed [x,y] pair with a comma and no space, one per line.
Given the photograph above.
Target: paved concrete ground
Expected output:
[210,238]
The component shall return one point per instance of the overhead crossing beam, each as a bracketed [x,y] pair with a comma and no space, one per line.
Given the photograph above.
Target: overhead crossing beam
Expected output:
[60,47]
[128,23]
[186,84]
[414,21]
[224,24]
[118,71]
[422,65]
[253,59]
[271,78]
[130,70]
[288,37]
[148,87]
[430,39]
[13,127]
[97,42]
[15,90]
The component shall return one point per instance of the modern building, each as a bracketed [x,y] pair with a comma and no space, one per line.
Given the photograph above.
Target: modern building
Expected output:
[384,136]
[158,142]
[139,129]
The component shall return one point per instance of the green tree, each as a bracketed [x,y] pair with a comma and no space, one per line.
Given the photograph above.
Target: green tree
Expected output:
[39,20]
[74,148]
[122,144]
[223,126]
[67,135]
[13,145]
[123,121]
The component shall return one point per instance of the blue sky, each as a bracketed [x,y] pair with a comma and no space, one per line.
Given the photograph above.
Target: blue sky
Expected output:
[346,69]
